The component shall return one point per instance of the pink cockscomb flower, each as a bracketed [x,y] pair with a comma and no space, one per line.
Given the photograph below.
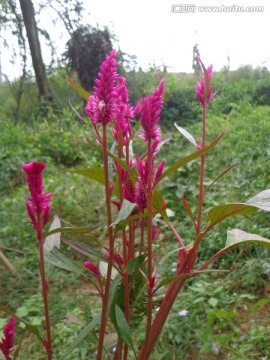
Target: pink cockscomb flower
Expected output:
[204,88]
[39,202]
[142,183]
[150,114]
[7,342]
[92,268]
[102,105]
[125,113]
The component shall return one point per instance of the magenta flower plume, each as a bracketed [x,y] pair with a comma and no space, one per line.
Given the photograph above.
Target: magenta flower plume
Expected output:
[150,114]
[39,202]
[125,114]
[92,268]
[7,342]
[102,105]
[204,88]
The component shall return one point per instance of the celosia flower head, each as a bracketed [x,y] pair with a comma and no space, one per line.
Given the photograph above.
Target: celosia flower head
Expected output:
[117,258]
[39,202]
[92,268]
[102,105]
[125,112]
[150,114]
[204,88]
[7,342]
[142,183]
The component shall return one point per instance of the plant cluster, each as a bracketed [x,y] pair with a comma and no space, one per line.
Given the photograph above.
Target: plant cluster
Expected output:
[125,271]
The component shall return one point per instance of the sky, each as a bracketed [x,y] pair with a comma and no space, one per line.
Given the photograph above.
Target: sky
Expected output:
[156,35]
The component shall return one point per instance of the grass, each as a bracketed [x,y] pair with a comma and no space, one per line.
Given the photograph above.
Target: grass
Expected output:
[227,310]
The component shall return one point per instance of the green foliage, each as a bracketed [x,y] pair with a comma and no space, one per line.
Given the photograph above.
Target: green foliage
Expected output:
[229,315]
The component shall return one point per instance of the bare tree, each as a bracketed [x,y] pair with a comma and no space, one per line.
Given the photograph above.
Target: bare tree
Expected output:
[28,13]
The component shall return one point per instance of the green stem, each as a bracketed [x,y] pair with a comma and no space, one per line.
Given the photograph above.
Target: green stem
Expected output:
[104,315]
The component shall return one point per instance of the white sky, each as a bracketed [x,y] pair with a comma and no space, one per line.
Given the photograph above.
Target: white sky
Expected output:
[149,30]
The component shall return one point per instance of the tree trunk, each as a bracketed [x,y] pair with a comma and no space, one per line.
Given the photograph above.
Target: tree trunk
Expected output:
[35,49]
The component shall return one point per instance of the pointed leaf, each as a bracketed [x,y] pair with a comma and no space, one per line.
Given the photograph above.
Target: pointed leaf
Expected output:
[123,327]
[220,176]
[113,289]
[122,163]
[188,209]
[186,134]
[83,93]
[235,238]
[259,202]
[127,208]
[74,230]
[135,264]
[163,142]
[85,249]
[54,239]
[170,279]
[96,173]
[57,258]
[189,158]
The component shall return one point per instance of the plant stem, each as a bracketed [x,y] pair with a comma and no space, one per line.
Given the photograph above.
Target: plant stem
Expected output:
[104,315]
[142,236]
[201,188]
[149,243]
[44,290]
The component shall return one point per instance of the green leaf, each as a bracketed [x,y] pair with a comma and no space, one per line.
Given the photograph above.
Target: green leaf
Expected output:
[96,173]
[127,208]
[159,204]
[188,209]
[118,160]
[87,330]
[219,176]
[170,279]
[258,202]
[33,329]
[135,264]
[74,230]
[258,304]
[54,239]
[191,157]
[83,93]
[113,289]
[213,301]
[57,258]
[123,223]
[237,237]
[123,327]
[85,249]
[186,134]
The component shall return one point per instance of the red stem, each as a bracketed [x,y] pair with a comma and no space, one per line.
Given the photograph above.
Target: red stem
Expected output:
[149,244]
[104,315]
[44,290]
[201,189]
